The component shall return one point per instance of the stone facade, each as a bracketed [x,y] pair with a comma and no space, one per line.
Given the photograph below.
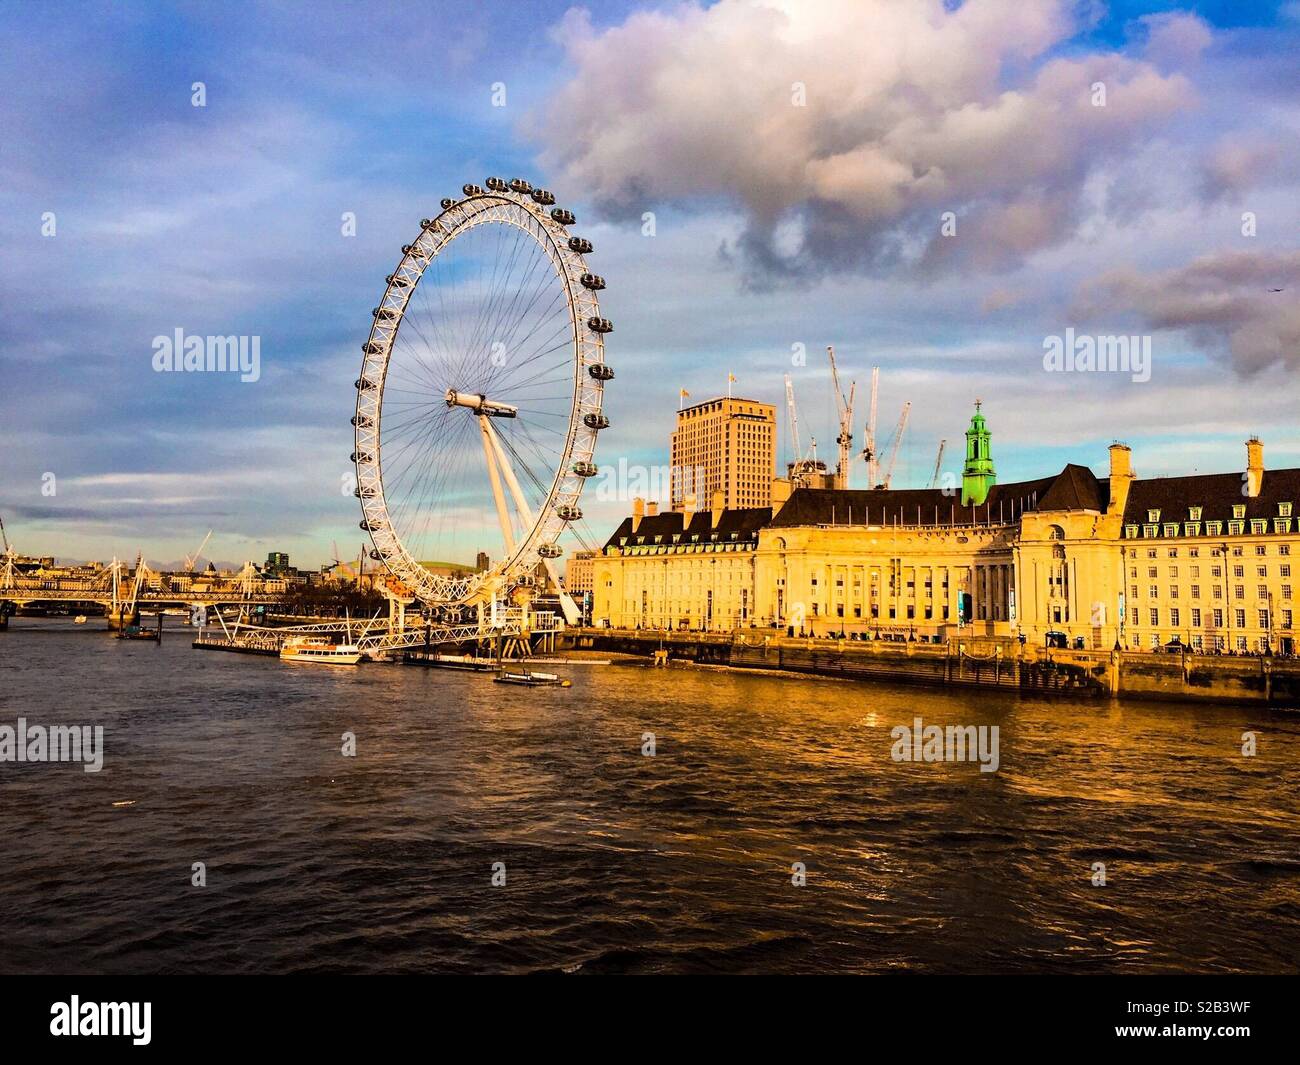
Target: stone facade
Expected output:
[1072,560]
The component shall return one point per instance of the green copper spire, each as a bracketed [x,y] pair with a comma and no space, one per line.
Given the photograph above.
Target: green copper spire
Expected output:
[978,476]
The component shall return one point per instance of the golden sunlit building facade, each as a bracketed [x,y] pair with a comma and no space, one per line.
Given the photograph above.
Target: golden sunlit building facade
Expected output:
[725,446]
[1071,560]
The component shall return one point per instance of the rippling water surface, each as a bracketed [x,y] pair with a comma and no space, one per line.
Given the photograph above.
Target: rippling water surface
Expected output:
[615,861]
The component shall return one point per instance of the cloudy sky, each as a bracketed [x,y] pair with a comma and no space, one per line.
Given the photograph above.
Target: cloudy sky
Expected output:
[932,187]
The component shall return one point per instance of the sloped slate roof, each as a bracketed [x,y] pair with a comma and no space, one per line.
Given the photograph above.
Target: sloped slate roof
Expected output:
[1215,494]
[1074,488]
[745,523]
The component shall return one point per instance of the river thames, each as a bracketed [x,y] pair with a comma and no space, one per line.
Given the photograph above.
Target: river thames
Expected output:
[615,861]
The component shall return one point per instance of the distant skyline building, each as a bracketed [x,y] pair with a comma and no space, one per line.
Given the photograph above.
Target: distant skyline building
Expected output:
[723,455]
[578,573]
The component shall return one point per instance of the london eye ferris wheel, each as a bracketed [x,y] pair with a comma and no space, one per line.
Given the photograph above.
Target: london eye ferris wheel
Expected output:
[480,394]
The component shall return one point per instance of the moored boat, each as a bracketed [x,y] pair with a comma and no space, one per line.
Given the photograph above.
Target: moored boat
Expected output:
[465,662]
[319,650]
[532,678]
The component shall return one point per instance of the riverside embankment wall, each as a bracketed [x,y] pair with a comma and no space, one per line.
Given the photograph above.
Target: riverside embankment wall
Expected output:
[979,662]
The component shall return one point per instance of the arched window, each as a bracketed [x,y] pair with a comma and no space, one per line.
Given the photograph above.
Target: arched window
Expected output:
[1055,532]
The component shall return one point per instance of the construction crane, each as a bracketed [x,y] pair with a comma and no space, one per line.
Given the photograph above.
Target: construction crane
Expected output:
[938,461]
[894,442]
[792,418]
[804,470]
[844,404]
[869,448]
[4,535]
[190,560]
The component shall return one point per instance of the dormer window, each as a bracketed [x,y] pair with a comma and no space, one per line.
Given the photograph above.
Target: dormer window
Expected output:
[1284,510]
[1153,516]
[1239,510]
[1194,513]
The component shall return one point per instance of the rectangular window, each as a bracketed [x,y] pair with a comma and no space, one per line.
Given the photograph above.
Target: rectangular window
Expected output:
[1173,617]
[1196,618]
[1155,616]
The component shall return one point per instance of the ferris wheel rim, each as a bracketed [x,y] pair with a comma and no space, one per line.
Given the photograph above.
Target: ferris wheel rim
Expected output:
[520,206]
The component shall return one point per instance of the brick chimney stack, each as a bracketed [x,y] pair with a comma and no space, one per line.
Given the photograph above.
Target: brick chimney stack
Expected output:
[638,512]
[1121,477]
[1254,466]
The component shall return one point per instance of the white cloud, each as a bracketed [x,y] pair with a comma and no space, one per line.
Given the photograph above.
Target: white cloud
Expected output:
[911,110]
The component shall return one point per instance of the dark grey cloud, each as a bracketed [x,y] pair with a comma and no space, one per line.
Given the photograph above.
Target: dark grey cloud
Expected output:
[1244,305]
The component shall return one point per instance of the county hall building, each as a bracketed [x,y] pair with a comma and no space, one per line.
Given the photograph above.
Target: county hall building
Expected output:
[1070,559]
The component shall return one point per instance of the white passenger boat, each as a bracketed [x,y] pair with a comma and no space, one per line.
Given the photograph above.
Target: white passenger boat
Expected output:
[80,619]
[318,649]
